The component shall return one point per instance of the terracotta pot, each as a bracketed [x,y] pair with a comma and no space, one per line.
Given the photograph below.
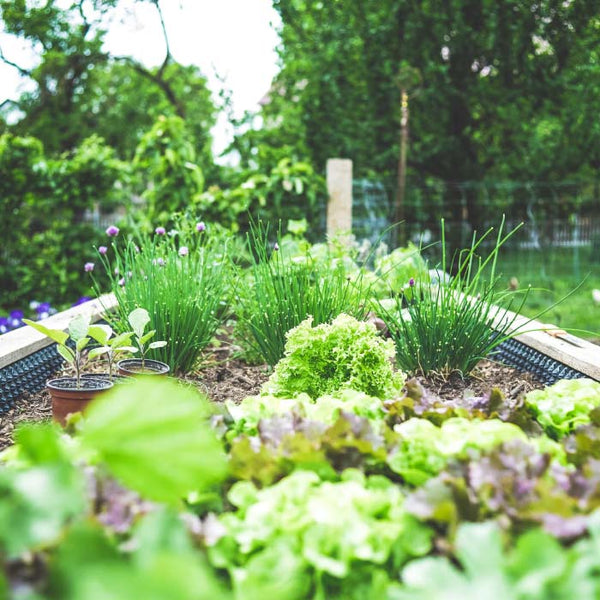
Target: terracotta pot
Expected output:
[133,367]
[68,398]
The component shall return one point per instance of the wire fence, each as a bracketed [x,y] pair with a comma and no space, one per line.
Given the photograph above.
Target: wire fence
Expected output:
[554,215]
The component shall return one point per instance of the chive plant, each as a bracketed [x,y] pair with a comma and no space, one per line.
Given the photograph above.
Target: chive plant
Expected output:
[283,292]
[449,327]
[181,280]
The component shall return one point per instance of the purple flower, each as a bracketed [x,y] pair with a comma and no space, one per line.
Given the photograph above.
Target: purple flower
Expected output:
[160,231]
[411,282]
[275,246]
[183,251]
[122,281]
[15,319]
[88,267]
[3,325]
[112,231]
[102,249]
[158,261]
[200,227]
[43,308]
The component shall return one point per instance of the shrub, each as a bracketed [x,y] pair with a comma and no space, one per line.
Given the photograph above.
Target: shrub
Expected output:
[43,231]
[346,354]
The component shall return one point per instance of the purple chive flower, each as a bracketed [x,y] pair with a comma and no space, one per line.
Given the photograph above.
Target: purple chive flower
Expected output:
[122,281]
[88,267]
[184,251]
[411,282]
[158,261]
[160,231]
[102,249]
[112,231]
[200,227]
[275,246]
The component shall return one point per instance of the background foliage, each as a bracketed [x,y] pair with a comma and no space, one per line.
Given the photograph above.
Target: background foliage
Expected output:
[501,96]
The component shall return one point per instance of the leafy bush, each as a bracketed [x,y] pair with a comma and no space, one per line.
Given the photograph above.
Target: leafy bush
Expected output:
[290,190]
[165,160]
[44,235]
[345,354]
[182,280]
[564,406]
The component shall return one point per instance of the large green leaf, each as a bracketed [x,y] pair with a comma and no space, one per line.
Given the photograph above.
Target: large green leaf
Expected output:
[88,566]
[37,502]
[154,437]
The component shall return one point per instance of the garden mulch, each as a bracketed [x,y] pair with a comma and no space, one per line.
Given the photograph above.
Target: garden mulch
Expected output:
[224,376]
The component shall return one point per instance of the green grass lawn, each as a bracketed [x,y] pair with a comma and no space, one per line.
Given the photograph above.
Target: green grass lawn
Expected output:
[552,274]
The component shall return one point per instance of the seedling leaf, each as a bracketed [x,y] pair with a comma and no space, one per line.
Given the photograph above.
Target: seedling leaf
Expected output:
[56,335]
[138,319]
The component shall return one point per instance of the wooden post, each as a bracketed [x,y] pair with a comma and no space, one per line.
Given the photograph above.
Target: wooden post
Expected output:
[399,231]
[339,188]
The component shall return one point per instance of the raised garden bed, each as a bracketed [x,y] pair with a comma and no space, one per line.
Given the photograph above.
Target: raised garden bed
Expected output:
[345,470]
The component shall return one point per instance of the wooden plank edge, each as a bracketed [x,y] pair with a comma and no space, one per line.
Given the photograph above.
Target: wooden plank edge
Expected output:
[24,341]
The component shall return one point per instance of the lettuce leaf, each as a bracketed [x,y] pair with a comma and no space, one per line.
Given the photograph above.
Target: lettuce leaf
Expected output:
[345,354]
[333,526]
[564,406]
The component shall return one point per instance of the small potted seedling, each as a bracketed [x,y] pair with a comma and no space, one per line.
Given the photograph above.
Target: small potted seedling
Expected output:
[138,319]
[71,394]
[110,347]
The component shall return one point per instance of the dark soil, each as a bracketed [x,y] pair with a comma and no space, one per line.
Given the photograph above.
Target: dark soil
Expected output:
[226,377]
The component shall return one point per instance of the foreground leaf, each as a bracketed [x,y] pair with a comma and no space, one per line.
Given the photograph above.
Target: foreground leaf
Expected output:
[154,437]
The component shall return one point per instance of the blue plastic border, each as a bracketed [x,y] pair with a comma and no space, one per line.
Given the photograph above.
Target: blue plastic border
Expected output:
[545,369]
[27,375]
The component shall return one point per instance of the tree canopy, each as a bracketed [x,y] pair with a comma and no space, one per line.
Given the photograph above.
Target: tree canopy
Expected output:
[79,88]
[506,90]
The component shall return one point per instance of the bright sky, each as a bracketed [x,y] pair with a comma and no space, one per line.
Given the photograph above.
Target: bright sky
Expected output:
[233,38]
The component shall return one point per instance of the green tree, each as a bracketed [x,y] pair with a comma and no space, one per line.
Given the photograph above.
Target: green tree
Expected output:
[46,238]
[165,162]
[498,97]
[80,89]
